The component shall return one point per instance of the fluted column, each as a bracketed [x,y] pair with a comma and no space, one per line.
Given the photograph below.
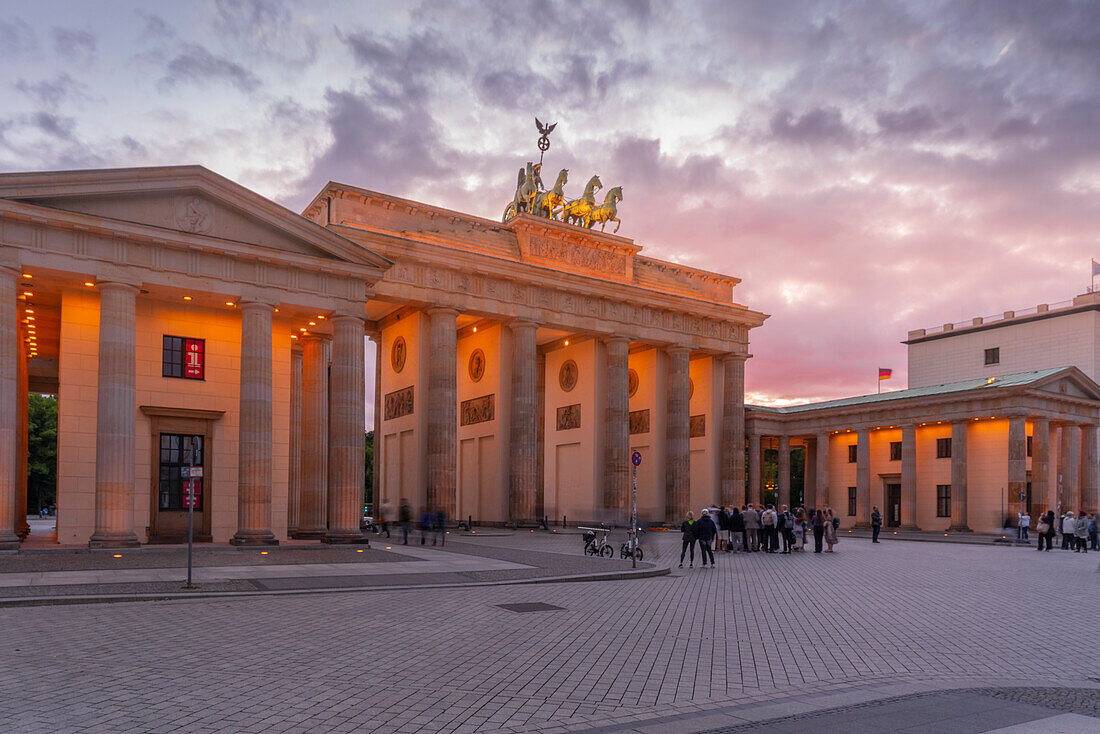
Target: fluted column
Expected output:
[294,469]
[1040,466]
[313,490]
[733,429]
[1017,462]
[823,498]
[1069,465]
[958,478]
[116,406]
[783,488]
[678,459]
[22,528]
[1090,470]
[863,478]
[540,438]
[909,477]
[9,441]
[442,409]
[616,488]
[755,470]
[523,468]
[809,475]
[345,442]
[376,452]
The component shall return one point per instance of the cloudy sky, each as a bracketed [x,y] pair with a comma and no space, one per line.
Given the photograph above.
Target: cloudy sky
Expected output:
[865,167]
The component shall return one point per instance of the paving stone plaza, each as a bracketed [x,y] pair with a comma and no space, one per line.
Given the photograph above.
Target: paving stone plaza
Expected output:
[909,636]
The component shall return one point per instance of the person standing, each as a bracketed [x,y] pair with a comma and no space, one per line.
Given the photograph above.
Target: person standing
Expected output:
[752,529]
[440,526]
[687,539]
[1022,525]
[770,520]
[818,525]
[1081,532]
[800,529]
[1094,533]
[405,517]
[386,510]
[830,530]
[737,529]
[785,526]
[876,524]
[1069,525]
[1046,529]
[723,529]
[705,532]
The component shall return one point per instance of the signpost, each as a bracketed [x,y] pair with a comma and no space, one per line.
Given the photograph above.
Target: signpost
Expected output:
[190,473]
[635,459]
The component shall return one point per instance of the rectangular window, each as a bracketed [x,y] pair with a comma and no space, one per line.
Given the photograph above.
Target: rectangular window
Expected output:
[943,500]
[895,451]
[943,448]
[993,356]
[175,454]
[852,454]
[1029,445]
[183,357]
[851,501]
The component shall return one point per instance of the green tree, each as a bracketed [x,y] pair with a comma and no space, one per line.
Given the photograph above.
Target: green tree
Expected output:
[41,450]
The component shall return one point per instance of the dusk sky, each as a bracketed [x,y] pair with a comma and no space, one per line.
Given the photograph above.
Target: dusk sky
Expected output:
[865,167]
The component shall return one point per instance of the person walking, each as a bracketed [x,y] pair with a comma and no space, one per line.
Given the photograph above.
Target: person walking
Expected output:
[818,525]
[1046,529]
[1081,532]
[830,530]
[752,529]
[876,524]
[1023,523]
[440,527]
[737,529]
[705,532]
[687,539]
[1069,525]
[406,516]
[386,511]
[1094,533]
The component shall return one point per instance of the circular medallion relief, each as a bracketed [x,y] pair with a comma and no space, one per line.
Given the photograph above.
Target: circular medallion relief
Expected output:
[193,214]
[477,365]
[398,352]
[567,375]
[632,382]
[691,389]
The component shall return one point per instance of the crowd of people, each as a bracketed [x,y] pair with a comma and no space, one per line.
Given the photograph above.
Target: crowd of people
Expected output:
[1078,529]
[756,528]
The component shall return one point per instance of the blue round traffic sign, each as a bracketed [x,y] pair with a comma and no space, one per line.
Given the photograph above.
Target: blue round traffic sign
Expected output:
[636,458]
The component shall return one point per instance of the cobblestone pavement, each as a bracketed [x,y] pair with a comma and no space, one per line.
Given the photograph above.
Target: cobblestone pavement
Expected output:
[758,638]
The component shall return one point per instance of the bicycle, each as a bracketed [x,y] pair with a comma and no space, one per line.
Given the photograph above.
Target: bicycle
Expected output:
[597,545]
[631,549]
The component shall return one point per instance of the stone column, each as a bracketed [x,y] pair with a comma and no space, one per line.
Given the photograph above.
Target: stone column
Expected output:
[523,464]
[22,528]
[1069,466]
[733,428]
[823,470]
[313,492]
[958,478]
[345,441]
[678,458]
[9,401]
[1090,470]
[1040,466]
[616,488]
[442,409]
[1017,463]
[909,478]
[863,478]
[540,439]
[376,452]
[255,431]
[809,476]
[116,406]
[294,470]
[783,485]
[755,471]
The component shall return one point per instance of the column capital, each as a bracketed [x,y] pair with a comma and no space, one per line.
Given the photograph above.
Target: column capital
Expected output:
[678,349]
[734,357]
[441,311]
[339,317]
[11,269]
[249,305]
[122,285]
[615,339]
[314,337]
[522,324]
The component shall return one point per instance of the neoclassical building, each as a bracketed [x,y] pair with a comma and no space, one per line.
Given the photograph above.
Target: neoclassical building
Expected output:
[184,320]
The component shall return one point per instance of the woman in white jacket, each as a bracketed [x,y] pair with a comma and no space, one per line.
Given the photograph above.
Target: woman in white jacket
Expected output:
[1081,532]
[1069,527]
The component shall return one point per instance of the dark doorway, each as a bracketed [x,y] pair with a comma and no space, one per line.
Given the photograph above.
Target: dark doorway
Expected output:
[893,505]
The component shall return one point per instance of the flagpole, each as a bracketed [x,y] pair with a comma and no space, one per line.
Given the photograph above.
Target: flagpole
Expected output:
[879,380]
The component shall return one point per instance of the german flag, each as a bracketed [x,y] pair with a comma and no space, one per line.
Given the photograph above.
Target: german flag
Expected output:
[884,373]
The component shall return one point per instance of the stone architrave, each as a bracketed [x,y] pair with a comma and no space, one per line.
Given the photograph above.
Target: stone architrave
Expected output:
[1040,467]
[523,467]
[255,430]
[442,406]
[755,470]
[313,497]
[958,478]
[1090,481]
[1017,464]
[863,478]
[346,440]
[909,477]
[116,417]
[677,433]
[1069,465]
[294,470]
[9,442]
[733,429]
[616,489]
[823,498]
[783,494]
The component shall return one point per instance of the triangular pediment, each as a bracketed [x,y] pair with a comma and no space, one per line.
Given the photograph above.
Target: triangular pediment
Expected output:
[1070,382]
[186,199]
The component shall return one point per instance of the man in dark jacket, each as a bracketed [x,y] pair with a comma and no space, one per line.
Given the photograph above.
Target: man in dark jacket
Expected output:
[818,523]
[687,536]
[723,529]
[705,531]
[737,529]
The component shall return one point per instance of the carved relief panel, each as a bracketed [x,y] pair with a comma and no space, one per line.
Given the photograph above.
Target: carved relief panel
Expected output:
[697,426]
[639,421]
[399,403]
[569,416]
[478,410]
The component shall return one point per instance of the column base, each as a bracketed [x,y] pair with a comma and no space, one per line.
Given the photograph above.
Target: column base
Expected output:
[309,534]
[104,540]
[959,529]
[253,539]
[345,539]
[9,545]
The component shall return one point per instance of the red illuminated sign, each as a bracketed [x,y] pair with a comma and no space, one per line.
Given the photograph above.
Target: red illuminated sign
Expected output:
[192,494]
[193,358]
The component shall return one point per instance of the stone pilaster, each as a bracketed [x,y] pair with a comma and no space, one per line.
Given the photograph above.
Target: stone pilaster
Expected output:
[9,401]
[909,478]
[809,477]
[116,408]
[783,485]
[294,470]
[823,498]
[523,459]
[1069,465]
[442,409]
[756,478]
[616,488]
[733,429]
[1041,499]
[313,497]
[958,478]
[346,421]
[1090,469]
[22,528]
[1017,463]
[540,440]
[376,453]
[255,431]
[863,478]
[677,462]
